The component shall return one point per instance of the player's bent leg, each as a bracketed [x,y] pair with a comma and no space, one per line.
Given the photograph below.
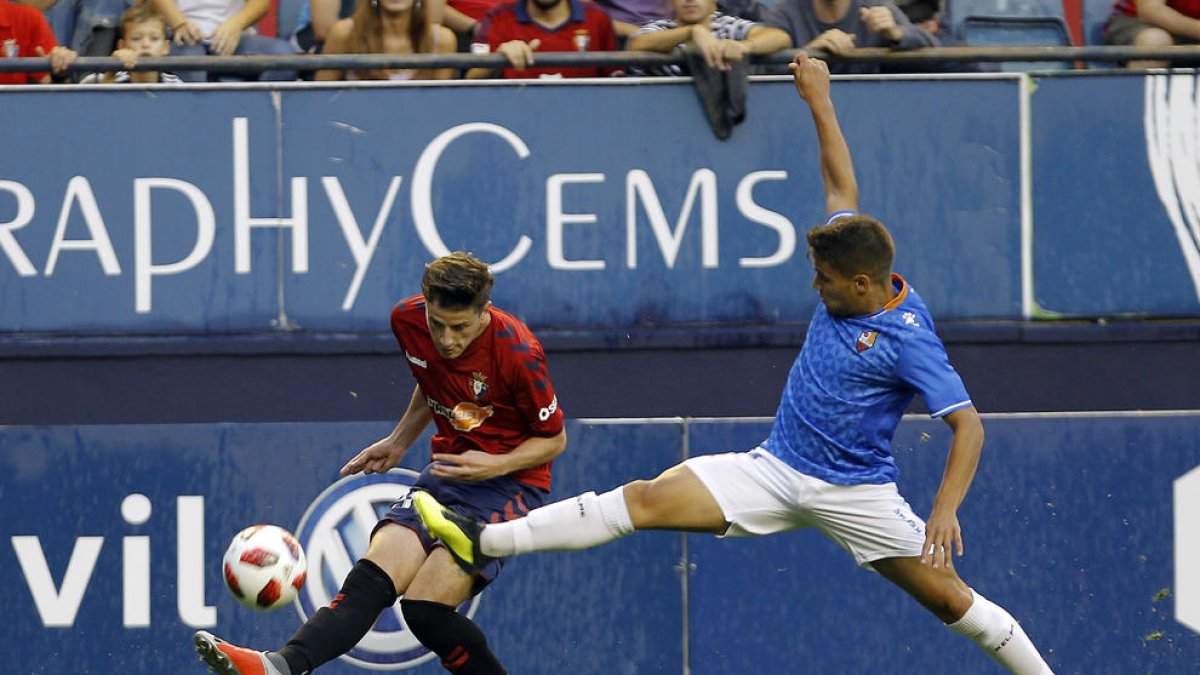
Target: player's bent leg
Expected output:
[371,586]
[581,522]
[966,612]
[430,614]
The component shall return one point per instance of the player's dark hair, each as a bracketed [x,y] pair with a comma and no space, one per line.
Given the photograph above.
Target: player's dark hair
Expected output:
[854,245]
[457,280]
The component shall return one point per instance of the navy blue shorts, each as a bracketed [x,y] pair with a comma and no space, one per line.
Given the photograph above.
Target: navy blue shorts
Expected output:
[493,501]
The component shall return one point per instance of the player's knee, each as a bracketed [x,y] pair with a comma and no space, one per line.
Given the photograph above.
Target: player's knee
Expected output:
[643,502]
[952,601]
[385,550]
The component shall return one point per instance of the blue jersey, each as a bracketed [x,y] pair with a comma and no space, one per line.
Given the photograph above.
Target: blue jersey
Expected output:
[851,383]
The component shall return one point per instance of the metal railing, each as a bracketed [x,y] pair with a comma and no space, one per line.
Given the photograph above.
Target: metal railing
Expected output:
[241,64]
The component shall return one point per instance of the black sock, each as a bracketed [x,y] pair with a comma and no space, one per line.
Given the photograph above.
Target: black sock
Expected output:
[452,636]
[334,630]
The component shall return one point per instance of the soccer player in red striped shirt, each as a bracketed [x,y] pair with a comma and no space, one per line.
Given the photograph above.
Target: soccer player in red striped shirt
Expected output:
[482,381]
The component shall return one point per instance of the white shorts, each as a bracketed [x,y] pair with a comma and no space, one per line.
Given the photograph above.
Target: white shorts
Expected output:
[759,494]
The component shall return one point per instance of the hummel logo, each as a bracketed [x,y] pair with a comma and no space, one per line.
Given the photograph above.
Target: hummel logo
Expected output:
[910,319]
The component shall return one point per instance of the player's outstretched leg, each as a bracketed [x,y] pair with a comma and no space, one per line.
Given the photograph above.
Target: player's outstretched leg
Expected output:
[459,533]
[224,658]
[1001,636]
[573,524]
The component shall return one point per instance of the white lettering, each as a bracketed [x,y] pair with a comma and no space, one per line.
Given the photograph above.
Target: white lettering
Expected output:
[545,413]
[422,190]
[555,219]
[190,567]
[135,599]
[362,250]
[776,221]
[8,243]
[144,267]
[242,222]
[80,190]
[57,607]
[639,187]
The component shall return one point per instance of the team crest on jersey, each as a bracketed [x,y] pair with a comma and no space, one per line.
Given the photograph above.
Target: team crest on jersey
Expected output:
[479,385]
[866,340]
[582,40]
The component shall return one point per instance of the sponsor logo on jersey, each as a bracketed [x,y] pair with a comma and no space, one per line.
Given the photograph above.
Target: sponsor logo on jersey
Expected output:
[866,340]
[335,531]
[413,359]
[545,413]
[465,416]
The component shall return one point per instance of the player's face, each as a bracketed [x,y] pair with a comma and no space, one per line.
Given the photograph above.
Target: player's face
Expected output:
[453,330]
[841,294]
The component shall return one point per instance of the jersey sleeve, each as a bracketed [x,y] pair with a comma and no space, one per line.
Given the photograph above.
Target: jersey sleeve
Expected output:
[534,393]
[925,366]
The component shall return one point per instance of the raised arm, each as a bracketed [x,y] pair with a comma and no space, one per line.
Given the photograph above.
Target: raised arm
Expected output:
[837,169]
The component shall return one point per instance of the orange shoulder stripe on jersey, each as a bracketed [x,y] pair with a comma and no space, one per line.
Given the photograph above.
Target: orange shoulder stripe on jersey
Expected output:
[895,302]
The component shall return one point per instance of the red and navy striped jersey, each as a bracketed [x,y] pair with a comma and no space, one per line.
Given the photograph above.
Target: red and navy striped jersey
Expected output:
[492,397]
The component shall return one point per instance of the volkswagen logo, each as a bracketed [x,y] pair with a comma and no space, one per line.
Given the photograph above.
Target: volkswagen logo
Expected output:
[334,532]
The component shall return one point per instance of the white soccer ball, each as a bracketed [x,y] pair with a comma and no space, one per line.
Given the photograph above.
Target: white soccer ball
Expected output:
[264,567]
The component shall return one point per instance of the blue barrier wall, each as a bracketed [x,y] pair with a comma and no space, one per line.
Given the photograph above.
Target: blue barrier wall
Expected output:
[1069,525]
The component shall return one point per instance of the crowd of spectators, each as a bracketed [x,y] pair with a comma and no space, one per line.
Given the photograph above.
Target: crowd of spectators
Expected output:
[722,31]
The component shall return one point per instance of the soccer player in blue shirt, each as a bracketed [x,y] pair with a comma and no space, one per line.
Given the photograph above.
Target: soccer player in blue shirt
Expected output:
[827,462]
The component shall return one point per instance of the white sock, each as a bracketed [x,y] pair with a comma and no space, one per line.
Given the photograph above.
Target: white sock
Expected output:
[571,524]
[998,634]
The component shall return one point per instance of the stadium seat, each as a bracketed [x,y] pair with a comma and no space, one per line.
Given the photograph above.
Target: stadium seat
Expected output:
[960,10]
[1011,23]
[1018,31]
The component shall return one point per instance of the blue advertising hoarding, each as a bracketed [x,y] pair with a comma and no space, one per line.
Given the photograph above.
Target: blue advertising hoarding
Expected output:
[1116,189]
[602,205]
[112,537]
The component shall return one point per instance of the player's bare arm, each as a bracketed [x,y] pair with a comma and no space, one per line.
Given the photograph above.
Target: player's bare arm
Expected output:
[943,536]
[386,453]
[837,169]
[480,465]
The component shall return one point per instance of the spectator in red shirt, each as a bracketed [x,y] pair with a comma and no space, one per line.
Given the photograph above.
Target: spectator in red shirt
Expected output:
[520,28]
[24,32]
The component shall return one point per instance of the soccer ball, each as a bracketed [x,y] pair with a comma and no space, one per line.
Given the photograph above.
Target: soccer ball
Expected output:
[264,567]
